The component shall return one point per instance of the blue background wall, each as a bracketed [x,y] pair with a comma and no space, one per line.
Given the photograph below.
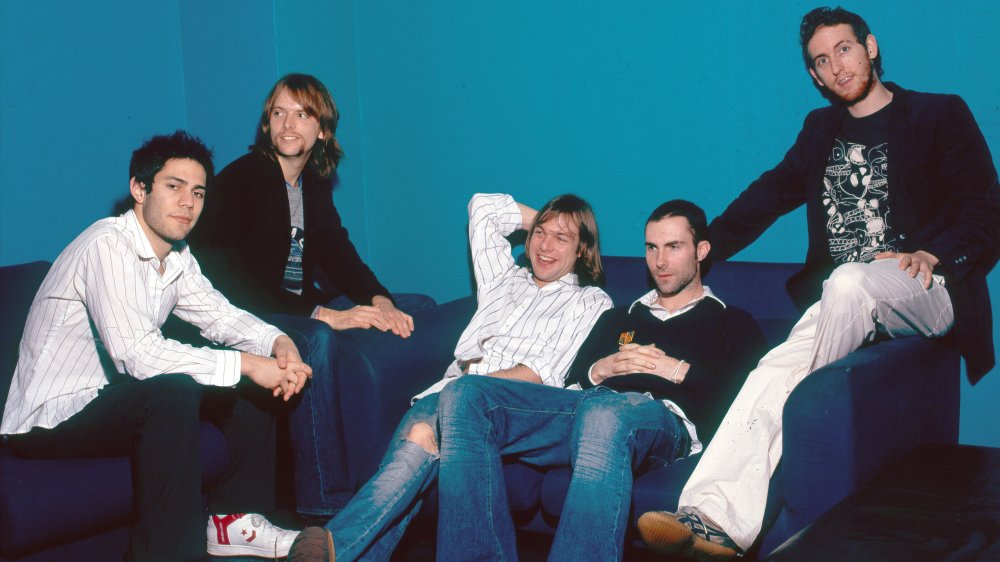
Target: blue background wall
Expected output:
[625,105]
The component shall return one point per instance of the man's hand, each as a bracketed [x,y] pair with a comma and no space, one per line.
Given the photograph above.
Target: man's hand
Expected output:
[398,321]
[914,264]
[360,316]
[264,371]
[285,353]
[635,358]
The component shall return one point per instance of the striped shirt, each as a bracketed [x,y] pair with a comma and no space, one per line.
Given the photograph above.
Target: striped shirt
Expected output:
[102,304]
[518,322]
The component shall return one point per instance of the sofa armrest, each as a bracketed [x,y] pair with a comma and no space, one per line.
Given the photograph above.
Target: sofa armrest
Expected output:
[381,372]
[847,420]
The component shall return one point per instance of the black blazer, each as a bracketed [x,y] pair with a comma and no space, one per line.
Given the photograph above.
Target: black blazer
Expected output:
[242,240]
[943,193]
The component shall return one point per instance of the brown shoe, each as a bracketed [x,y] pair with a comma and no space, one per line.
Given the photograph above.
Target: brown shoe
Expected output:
[688,534]
[314,544]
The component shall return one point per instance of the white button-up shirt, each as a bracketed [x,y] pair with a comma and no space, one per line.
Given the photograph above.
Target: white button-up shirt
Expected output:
[518,322]
[104,298]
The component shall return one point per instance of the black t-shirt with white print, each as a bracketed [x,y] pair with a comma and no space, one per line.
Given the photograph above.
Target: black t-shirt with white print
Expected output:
[855,190]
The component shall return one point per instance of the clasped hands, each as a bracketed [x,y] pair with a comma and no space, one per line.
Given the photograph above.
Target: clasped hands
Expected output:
[635,358]
[284,374]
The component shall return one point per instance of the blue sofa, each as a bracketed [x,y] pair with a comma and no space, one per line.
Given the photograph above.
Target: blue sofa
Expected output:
[842,424]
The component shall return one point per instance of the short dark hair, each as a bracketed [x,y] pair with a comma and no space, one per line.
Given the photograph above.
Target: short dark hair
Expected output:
[696,219]
[318,103]
[588,269]
[681,208]
[149,159]
[826,17]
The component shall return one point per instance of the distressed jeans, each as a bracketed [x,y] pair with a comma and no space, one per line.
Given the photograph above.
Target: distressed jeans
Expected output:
[603,435]
[322,485]
[371,524]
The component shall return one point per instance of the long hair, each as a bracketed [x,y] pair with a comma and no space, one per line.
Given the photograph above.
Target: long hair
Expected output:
[318,103]
[588,266]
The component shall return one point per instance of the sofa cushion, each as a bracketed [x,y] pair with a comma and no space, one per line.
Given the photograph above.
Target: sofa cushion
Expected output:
[44,502]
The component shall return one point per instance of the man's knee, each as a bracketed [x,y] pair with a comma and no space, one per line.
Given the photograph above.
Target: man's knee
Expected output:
[603,416]
[173,388]
[464,396]
[423,434]
[171,397]
[846,278]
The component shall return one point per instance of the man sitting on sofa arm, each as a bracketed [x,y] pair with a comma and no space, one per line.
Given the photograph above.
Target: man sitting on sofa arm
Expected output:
[903,210]
[528,325]
[658,375]
[96,377]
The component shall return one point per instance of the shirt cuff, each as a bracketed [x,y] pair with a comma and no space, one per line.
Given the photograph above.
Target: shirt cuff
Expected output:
[227,367]
[267,341]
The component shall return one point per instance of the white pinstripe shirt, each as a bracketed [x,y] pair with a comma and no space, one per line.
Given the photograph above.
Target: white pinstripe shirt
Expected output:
[518,322]
[105,298]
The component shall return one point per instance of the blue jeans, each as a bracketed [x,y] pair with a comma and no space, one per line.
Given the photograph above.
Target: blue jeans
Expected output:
[370,526]
[322,485]
[603,435]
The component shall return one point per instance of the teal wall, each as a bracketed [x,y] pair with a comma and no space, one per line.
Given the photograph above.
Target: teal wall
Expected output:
[625,105]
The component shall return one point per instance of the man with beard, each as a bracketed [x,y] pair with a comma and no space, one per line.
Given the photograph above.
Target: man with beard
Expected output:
[649,386]
[269,230]
[893,251]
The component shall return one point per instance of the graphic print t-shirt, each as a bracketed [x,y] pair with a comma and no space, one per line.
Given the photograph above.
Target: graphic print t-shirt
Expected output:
[855,190]
[293,269]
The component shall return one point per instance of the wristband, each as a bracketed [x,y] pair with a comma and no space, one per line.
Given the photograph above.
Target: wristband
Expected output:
[673,375]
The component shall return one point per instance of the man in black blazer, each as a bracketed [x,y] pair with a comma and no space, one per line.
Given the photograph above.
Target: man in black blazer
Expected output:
[268,228]
[903,211]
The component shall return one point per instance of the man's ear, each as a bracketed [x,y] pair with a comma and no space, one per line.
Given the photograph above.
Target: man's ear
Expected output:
[816,78]
[703,249]
[137,189]
[872,45]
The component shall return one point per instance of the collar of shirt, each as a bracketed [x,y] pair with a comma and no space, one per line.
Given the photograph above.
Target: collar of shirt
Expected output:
[569,279]
[176,261]
[651,301]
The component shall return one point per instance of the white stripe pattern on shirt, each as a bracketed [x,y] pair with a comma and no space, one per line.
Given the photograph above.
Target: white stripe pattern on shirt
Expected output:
[518,322]
[101,307]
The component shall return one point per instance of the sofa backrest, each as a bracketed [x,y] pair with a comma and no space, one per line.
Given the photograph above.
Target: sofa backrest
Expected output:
[18,285]
[757,287]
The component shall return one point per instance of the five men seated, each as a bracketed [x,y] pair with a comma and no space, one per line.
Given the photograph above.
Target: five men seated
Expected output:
[557,379]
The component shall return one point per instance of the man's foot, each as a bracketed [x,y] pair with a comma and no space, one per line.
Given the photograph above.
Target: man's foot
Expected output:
[687,533]
[247,534]
[314,544]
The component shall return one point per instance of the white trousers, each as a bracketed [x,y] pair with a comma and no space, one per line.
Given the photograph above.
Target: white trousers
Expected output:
[731,480]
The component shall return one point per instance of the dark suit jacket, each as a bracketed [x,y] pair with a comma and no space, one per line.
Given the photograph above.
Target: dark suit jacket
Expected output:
[242,240]
[943,195]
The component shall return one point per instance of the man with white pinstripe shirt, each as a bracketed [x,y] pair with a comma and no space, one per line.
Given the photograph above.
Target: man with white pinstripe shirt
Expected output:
[96,377]
[528,325]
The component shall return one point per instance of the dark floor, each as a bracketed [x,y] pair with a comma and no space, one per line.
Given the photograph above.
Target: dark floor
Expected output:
[418,544]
